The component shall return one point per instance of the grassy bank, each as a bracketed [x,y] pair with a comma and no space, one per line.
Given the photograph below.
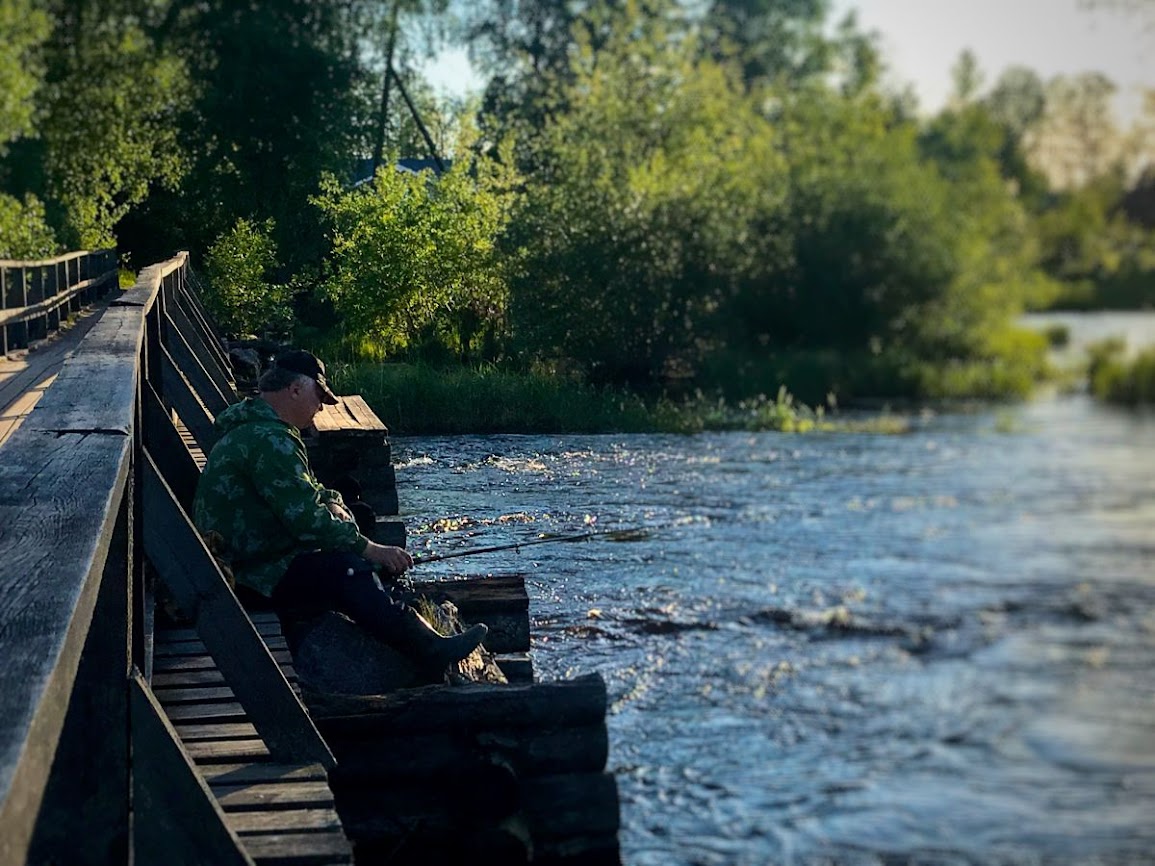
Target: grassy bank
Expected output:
[1116,379]
[420,400]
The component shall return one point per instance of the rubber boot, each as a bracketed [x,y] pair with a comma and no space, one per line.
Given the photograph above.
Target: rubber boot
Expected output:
[419,640]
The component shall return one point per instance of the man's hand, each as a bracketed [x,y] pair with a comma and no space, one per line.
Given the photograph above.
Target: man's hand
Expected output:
[393,560]
[340,512]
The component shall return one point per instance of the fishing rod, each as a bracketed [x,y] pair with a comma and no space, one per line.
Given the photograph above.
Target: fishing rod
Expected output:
[634,533]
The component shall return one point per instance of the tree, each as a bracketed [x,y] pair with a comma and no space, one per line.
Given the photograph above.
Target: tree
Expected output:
[23,29]
[771,41]
[653,200]
[105,129]
[966,77]
[415,264]
[1017,101]
[1077,139]
[240,291]
[282,97]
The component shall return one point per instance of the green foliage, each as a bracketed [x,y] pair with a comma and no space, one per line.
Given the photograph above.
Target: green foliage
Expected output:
[1115,379]
[1100,257]
[649,207]
[23,29]
[107,134]
[24,232]
[1058,335]
[239,292]
[414,262]
[418,399]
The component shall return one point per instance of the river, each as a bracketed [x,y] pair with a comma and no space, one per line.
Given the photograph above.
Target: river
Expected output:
[931,648]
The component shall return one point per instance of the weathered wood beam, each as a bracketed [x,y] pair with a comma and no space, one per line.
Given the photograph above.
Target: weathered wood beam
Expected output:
[474,707]
[179,394]
[192,367]
[60,495]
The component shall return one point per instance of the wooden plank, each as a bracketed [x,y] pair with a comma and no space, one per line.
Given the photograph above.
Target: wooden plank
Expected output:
[177,821]
[265,626]
[226,751]
[11,316]
[197,647]
[207,676]
[473,707]
[198,317]
[278,795]
[166,679]
[179,394]
[189,571]
[295,821]
[59,500]
[197,306]
[92,760]
[201,695]
[221,712]
[96,388]
[440,754]
[350,414]
[192,367]
[299,849]
[216,731]
[240,775]
[363,417]
[95,255]
[206,662]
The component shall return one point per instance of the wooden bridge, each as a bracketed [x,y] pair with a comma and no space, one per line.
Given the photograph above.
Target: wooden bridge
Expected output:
[124,742]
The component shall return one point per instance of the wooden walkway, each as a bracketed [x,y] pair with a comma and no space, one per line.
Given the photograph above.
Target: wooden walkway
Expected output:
[25,374]
[283,813]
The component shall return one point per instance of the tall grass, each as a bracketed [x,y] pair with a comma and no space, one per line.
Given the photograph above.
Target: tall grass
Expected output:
[415,399]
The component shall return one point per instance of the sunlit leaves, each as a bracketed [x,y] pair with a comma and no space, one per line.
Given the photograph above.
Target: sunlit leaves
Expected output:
[414,258]
[240,267]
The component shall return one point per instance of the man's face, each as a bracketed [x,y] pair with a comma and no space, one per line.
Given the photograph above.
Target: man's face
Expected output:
[305,402]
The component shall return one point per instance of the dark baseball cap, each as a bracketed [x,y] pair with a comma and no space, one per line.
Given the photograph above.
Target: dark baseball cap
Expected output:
[307,364]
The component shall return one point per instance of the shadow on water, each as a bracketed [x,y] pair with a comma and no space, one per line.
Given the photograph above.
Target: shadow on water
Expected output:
[936,648]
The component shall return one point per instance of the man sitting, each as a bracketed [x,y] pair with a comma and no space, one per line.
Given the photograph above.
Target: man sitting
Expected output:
[291,539]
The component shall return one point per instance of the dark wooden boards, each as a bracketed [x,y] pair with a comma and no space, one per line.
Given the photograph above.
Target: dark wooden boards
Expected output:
[177,818]
[282,813]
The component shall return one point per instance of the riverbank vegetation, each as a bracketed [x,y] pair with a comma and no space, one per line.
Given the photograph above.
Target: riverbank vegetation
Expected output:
[1118,379]
[418,399]
[650,201]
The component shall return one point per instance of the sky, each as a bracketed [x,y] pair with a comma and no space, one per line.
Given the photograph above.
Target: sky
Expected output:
[922,39]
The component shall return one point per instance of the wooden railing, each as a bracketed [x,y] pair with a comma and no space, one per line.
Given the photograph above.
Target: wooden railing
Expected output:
[36,296]
[94,491]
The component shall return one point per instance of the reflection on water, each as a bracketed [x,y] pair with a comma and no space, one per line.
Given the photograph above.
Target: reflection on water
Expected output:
[852,649]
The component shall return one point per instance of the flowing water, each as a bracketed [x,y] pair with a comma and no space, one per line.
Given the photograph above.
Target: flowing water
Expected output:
[932,648]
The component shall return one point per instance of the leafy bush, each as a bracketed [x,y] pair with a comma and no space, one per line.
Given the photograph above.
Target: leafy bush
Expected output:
[24,233]
[1117,380]
[239,292]
[414,262]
